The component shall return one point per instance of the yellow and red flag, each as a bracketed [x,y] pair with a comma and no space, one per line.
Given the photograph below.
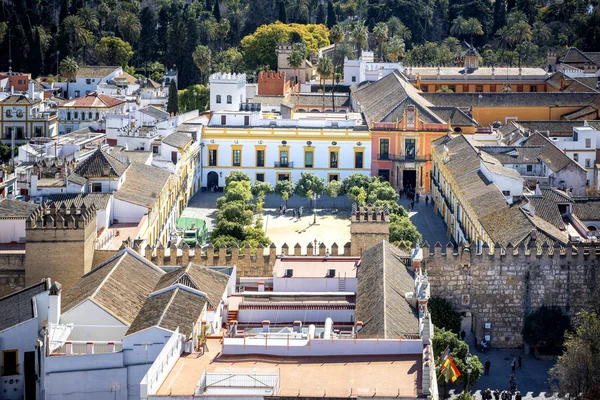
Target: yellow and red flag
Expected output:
[449,370]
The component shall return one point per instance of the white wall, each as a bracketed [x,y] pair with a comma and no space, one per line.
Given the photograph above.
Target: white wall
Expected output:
[12,230]
[289,316]
[86,384]
[227,85]
[91,322]
[294,284]
[128,212]
[321,347]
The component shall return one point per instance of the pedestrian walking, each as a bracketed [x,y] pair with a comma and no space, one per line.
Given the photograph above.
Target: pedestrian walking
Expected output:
[462,335]
[518,396]
[497,394]
[426,200]
[513,365]
[417,196]
[408,208]
[412,204]
[519,360]
[486,371]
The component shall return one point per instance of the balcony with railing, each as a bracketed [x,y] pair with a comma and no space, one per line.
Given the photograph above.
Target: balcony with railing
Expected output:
[404,157]
[283,164]
[82,347]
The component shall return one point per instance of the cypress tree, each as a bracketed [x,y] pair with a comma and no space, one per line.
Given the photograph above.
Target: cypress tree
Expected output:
[282,12]
[64,10]
[36,57]
[173,102]
[331,17]
[321,17]
[217,11]
[499,15]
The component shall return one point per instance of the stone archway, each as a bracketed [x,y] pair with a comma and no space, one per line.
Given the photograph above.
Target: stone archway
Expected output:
[212,180]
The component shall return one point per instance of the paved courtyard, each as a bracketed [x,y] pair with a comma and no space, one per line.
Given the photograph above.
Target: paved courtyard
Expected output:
[329,229]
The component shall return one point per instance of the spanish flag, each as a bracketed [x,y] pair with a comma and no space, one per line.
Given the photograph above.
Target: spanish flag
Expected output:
[449,370]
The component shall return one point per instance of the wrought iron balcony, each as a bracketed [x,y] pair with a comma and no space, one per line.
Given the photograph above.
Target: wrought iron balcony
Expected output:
[404,157]
[283,164]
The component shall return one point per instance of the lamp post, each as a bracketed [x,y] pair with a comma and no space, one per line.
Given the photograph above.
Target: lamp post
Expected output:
[469,369]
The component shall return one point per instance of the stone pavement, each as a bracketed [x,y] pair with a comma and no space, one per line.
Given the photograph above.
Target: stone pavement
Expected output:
[203,205]
[532,379]
[430,225]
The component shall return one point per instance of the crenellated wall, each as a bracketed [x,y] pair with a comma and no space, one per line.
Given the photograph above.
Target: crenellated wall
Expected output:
[502,288]
[59,244]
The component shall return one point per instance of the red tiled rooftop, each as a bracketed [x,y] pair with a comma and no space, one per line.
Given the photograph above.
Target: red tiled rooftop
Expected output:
[93,100]
[342,376]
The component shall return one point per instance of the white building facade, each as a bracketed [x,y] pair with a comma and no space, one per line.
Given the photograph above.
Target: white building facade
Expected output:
[366,69]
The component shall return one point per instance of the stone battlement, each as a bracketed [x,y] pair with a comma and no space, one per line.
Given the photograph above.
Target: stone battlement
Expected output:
[51,217]
[500,287]
[370,213]
[226,77]
[250,263]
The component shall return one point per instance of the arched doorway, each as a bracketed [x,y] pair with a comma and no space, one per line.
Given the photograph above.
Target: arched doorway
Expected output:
[212,180]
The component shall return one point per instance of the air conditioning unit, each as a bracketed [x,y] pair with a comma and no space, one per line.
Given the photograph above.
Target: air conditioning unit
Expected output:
[289,273]
[330,273]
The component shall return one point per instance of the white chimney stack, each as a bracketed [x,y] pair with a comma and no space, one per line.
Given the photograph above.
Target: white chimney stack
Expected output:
[261,286]
[31,89]
[54,303]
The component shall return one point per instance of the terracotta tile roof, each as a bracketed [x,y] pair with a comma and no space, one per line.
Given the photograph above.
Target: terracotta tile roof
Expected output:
[587,210]
[547,210]
[143,185]
[551,155]
[101,165]
[514,154]
[197,277]
[383,281]
[386,99]
[149,84]
[177,139]
[78,179]
[120,285]
[16,209]
[19,307]
[455,115]
[131,156]
[93,100]
[318,100]
[95,71]
[587,112]
[515,99]
[154,112]
[574,56]
[98,200]
[127,78]
[178,306]
[18,99]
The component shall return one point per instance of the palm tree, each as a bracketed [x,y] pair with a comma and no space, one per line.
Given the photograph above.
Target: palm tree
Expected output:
[324,69]
[520,32]
[395,48]
[90,19]
[453,44]
[130,27]
[296,60]
[76,34]
[541,33]
[405,33]
[394,25]
[515,16]
[336,36]
[458,27]
[380,31]
[68,69]
[360,36]
[472,27]
[202,57]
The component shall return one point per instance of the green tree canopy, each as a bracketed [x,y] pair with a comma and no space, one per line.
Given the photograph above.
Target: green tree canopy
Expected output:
[261,189]
[308,184]
[578,369]
[113,51]
[458,351]
[356,179]
[259,47]
[236,176]
[545,328]
[173,100]
[443,314]
[333,190]
[195,97]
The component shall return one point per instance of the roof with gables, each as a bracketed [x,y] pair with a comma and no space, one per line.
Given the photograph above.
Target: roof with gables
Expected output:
[177,139]
[93,100]
[19,306]
[381,304]
[101,165]
[95,71]
[16,209]
[551,155]
[110,286]
[143,185]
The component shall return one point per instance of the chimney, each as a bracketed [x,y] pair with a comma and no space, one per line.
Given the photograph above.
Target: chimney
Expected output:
[265,325]
[538,191]
[54,303]
[31,89]
[12,90]
[261,286]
